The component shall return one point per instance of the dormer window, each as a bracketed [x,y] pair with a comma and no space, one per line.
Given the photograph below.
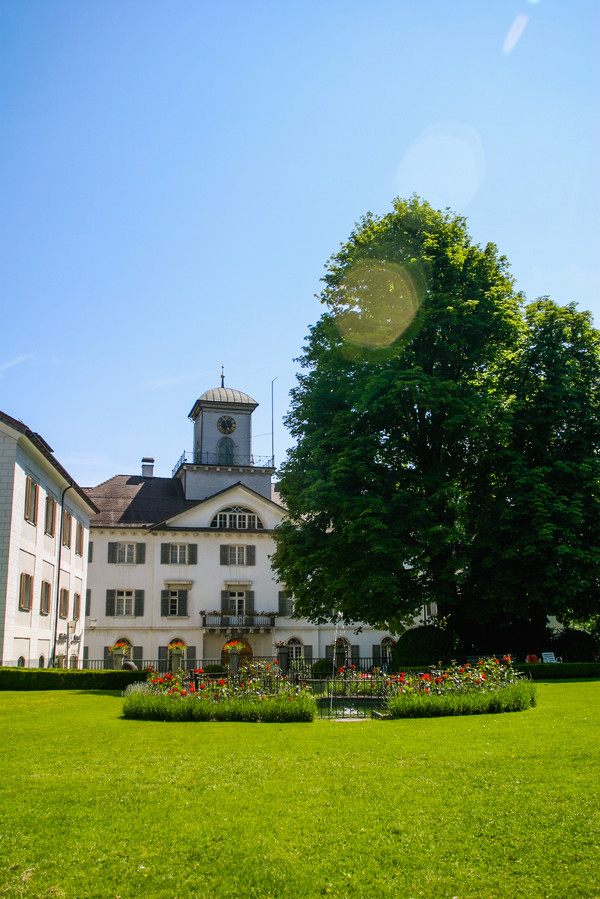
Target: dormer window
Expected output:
[236,518]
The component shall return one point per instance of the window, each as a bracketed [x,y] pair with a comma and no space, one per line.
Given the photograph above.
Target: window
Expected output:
[173,602]
[236,518]
[387,645]
[178,554]
[124,602]
[67,520]
[79,539]
[237,602]
[31,501]
[76,606]
[45,598]
[237,555]
[50,517]
[127,553]
[63,604]
[294,649]
[25,592]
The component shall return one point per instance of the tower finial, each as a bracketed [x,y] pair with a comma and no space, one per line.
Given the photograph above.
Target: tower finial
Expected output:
[222,376]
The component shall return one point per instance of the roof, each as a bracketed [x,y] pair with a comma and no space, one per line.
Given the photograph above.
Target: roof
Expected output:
[135,501]
[222,396]
[46,450]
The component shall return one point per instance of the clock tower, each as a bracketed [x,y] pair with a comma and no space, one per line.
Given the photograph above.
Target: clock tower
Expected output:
[222,453]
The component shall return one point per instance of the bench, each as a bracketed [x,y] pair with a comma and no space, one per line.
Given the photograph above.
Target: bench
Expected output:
[549,658]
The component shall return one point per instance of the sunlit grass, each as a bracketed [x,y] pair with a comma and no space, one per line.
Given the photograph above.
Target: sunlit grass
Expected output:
[486,806]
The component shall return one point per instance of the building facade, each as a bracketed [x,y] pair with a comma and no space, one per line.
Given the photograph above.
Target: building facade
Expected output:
[44,532]
[186,560]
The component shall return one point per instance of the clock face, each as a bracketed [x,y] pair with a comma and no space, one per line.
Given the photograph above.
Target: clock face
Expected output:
[226,424]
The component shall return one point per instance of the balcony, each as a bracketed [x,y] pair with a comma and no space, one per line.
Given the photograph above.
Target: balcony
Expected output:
[223,621]
[224,460]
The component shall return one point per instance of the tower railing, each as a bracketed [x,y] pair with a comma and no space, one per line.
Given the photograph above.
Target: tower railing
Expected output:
[224,460]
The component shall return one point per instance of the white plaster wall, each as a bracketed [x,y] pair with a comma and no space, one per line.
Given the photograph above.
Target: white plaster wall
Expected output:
[32,551]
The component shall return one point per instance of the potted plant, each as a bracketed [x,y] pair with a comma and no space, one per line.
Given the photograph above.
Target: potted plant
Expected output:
[176,651]
[119,652]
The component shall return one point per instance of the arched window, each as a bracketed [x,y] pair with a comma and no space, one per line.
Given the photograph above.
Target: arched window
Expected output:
[41,662]
[225,449]
[21,662]
[295,647]
[386,650]
[236,518]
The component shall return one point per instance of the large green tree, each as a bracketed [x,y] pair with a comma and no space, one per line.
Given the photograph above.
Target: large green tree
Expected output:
[415,416]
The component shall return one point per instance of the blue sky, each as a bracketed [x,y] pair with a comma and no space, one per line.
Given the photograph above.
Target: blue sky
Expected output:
[175,175]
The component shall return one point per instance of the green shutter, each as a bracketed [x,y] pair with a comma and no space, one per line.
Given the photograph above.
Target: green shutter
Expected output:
[192,554]
[308,653]
[111,596]
[224,601]
[138,603]
[163,652]
[90,550]
[108,659]
[138,654]
[88,601]
[190,657]
[140,553]
[112,552]
[376,655]
[250,555]
[249,603]
[182,597]
[282,605]
[329,653]
[354,654]
[224,554]
[165,553]
[164,603]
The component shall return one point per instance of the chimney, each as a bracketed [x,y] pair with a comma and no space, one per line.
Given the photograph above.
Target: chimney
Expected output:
[147,467]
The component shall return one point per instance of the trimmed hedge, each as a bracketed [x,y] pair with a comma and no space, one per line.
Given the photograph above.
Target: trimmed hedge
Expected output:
[163,707]
[561,670]
[66,679]
[511,698]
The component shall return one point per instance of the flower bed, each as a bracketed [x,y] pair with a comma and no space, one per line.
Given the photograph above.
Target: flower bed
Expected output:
[489,687]
[259,693]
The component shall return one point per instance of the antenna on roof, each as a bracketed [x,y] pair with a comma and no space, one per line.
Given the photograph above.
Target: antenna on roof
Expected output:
[222,376]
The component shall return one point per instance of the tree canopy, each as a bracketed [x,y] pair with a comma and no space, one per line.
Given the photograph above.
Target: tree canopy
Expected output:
[447,438]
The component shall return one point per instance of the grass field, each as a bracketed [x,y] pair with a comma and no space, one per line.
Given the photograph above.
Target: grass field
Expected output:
[502,806]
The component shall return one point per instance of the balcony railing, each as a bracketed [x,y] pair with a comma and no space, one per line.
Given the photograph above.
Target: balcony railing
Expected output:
[225,460]
[222,620]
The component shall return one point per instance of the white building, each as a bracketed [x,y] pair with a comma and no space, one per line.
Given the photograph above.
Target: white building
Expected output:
[186,559]
[44,529]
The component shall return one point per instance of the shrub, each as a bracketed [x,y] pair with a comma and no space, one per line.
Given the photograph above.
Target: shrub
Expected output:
[422,646]
[510,698]
[575,646]
[566,671]
[322,668]
[66,679]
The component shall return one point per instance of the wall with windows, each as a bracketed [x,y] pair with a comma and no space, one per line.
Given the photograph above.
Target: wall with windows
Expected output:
[30,494]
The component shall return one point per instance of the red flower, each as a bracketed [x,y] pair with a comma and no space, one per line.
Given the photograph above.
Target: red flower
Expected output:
[192,688]
[268,666]
[276,662]
[353,666]
[202,686]
[241,684]
[184,692]
[221,683]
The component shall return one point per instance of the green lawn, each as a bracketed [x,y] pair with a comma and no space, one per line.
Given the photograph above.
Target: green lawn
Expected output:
[485,806]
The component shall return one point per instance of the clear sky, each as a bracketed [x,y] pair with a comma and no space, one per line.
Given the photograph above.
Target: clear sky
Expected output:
[174,175]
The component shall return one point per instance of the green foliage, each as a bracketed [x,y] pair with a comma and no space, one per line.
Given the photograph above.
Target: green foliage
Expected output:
[575,646]
[66,679]
[423,646]
[451,454]
[259,692]
[565,671]
[322,668]
[515,697]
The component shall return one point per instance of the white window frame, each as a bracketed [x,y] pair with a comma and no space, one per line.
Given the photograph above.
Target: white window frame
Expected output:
[124,552]
[237,555]
[124,602]
[178,554]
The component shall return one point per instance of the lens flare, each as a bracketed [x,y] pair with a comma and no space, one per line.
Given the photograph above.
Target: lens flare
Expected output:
[515,31]
[377,301]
